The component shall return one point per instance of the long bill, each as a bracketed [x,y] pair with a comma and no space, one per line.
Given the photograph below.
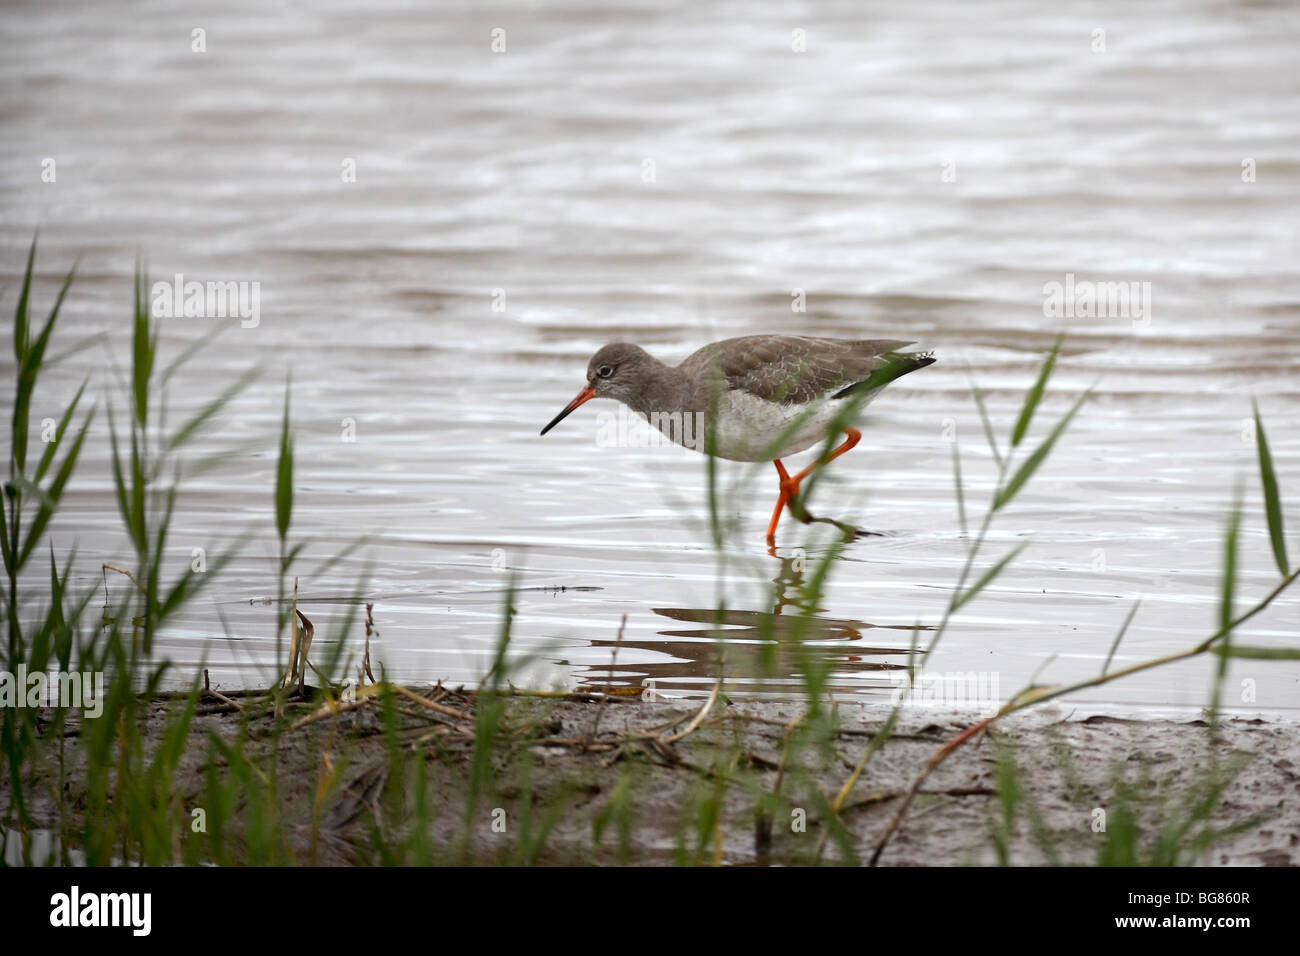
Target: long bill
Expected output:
[586,395]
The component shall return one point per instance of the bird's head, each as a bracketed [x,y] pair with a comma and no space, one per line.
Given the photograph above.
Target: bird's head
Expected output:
[616,371]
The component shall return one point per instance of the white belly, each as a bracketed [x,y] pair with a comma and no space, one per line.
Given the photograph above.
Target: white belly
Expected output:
[746,428]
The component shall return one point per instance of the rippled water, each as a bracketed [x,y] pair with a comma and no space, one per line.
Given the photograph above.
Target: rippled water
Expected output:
[670,174]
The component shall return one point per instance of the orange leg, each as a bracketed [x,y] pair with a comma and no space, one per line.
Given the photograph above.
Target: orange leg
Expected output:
[790,486]
[855,436]
[781,501]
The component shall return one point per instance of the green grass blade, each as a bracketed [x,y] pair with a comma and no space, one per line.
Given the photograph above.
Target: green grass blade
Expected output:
[1254,653]
[54,494]
[209,411]
[35,356]
[284,474]
[48,457]
[124,497]
[1035,395]
[1120,636]
[28,370]
[1229,570]
[988,577]
[90,341]
[4,540]
[139,486]
[986,423]
[1226,601]
[31,362]
[143,349]
[960,489]
[22,319]
[1030,465]
[1272,500]
[189,352]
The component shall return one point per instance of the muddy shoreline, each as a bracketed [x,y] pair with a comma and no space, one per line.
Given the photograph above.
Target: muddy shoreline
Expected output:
[581,779]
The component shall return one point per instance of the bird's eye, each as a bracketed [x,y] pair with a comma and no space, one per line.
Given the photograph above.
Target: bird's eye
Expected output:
[604,371]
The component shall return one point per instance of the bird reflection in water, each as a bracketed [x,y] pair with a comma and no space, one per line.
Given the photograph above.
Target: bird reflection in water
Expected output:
[758,652]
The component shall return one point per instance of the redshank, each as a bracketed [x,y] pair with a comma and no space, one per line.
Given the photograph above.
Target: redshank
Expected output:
[759,397]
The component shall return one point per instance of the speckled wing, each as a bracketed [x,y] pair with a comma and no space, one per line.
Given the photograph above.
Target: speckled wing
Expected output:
[791,369]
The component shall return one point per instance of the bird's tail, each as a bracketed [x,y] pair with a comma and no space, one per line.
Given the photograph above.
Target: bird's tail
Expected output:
[895,365]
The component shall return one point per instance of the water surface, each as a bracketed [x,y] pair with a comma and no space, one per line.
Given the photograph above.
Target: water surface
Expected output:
[669,174]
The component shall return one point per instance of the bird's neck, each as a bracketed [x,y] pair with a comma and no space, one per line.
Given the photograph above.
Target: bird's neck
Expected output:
[666,390]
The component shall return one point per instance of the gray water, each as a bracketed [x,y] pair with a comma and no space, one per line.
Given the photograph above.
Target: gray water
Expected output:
[670,174]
